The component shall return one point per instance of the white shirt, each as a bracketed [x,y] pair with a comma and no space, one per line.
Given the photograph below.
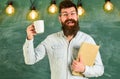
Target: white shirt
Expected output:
[61,53]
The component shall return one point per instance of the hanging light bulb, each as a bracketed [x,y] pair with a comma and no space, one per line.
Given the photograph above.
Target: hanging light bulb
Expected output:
[10,10]
[33,14]
[108,6]
[53,8]
[81,10]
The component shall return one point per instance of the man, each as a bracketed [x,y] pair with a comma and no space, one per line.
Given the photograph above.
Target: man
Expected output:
[61,46]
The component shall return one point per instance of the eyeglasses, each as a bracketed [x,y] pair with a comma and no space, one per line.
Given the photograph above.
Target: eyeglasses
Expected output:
[65,14]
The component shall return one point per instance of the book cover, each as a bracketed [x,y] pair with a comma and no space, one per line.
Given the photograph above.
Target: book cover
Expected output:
[88,53]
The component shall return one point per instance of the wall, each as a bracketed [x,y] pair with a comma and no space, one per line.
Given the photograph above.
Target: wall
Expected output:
[103,27]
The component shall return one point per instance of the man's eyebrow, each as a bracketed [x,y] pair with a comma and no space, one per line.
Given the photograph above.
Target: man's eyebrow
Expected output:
[73,11]
[64,12]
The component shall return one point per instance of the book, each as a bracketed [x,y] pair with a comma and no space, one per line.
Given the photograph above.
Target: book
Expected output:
[88,53]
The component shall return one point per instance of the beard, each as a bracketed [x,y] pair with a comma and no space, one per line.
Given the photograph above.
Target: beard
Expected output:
[70,29]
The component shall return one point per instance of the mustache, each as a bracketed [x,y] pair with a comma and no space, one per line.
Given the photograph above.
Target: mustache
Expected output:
[70,20]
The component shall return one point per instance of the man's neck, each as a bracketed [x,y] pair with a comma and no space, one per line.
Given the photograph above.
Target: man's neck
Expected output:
[69,37]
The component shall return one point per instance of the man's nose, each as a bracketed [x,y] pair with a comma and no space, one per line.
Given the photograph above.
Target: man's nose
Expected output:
[69,16]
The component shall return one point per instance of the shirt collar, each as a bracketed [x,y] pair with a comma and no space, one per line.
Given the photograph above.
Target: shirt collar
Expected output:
[62,34]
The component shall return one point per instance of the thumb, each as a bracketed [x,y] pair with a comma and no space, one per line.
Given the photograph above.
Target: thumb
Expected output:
[80,59]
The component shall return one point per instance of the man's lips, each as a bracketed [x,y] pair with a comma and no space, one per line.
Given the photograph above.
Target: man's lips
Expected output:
[70,22]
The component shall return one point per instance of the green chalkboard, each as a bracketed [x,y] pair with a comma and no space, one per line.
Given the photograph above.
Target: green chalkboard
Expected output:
[103,27]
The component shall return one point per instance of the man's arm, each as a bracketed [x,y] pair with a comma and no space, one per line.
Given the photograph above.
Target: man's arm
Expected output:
[32,55]
[28,52]
[96,70]
[89,71]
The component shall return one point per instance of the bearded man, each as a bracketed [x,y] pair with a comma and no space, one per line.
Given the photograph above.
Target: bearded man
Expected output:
[61,46]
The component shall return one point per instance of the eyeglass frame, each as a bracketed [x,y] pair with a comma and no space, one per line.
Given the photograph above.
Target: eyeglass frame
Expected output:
[65,14]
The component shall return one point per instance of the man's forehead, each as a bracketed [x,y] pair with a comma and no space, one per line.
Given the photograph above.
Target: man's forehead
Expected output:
[71,9]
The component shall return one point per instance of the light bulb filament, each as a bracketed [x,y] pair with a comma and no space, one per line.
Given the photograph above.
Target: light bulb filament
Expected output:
[33,15]
[81,11]
[53,8]
[108,6]
[10,10]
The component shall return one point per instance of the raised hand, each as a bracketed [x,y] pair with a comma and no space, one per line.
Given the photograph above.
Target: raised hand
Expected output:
[30,32]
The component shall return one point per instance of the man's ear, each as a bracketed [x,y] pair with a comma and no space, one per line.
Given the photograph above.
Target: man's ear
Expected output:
[59,18]
[78,17]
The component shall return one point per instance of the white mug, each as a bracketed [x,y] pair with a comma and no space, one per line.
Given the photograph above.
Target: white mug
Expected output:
[39,26]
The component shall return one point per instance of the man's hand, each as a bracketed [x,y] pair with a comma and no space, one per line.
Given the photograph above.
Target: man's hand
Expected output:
[30,32]
[78,65]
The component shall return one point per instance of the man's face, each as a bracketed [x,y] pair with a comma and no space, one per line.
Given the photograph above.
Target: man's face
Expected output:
[68,15]
[69,20]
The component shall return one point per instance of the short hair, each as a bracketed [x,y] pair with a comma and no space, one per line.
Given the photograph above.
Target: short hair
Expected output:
[67,4]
